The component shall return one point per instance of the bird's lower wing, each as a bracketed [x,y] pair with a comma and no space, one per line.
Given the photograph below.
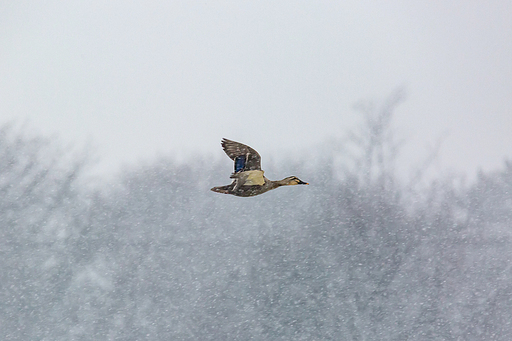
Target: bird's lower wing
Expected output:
[249,178]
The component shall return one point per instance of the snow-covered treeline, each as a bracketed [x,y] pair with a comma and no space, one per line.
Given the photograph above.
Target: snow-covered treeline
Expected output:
[157,256]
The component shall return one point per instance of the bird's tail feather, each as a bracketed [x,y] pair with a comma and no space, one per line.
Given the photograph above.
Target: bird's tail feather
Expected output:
[221,189]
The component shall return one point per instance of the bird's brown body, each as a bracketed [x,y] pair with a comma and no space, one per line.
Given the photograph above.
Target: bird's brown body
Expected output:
[248,176]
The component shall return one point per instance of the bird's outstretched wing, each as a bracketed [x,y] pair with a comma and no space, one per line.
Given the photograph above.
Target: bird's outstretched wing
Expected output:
[245,157]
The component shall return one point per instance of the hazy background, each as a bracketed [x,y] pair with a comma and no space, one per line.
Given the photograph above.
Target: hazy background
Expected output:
[154,255]
[139,79]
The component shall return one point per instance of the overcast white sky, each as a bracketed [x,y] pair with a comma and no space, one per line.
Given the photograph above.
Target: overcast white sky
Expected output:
[150,78]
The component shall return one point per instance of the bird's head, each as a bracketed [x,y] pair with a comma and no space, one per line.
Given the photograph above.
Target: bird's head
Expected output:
[293,180]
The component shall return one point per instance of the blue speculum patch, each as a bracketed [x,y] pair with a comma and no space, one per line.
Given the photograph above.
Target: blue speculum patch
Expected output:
[239,163]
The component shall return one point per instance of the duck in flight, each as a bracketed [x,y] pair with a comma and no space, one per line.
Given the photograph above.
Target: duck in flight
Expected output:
[248,178]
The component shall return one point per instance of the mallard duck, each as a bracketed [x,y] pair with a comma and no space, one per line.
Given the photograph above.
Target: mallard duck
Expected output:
[248,176]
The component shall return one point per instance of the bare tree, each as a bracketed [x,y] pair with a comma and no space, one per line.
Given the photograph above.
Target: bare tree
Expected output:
[38,211]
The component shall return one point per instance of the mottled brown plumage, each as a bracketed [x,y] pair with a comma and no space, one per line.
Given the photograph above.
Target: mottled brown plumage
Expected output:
[248,176]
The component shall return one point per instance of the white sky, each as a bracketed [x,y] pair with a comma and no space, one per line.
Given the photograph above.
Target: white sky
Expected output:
[140,79]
